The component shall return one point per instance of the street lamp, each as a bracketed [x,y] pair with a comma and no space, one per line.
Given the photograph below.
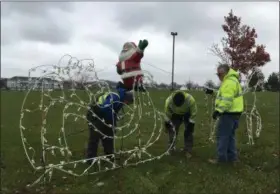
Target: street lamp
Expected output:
[172,84]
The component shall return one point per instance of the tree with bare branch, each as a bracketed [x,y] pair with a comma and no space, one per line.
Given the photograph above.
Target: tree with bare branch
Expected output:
[238,48]
[189,85]
[210,84]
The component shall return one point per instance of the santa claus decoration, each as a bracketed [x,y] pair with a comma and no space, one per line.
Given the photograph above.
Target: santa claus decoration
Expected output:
[129,65]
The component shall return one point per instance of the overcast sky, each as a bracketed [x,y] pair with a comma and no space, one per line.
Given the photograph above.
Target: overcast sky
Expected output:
[40,33]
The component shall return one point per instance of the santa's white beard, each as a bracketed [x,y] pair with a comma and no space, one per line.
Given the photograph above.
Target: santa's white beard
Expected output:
[126,55]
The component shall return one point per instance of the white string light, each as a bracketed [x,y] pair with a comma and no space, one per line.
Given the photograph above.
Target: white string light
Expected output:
[49,100]
[142,101]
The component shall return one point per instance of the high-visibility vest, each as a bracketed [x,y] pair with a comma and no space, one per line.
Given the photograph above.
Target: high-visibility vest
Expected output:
[225,100]
[101,99]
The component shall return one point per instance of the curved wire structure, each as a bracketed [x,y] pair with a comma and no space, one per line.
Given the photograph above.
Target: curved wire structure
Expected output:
[57,153]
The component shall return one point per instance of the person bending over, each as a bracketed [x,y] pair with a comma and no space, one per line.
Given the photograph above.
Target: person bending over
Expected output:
[180,107]
[106,108]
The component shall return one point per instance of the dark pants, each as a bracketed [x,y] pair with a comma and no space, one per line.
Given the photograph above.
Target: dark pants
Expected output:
[226,147]
[95,137]
[177,120]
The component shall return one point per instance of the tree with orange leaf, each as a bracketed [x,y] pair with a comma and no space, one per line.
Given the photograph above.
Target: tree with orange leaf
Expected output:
[239,48]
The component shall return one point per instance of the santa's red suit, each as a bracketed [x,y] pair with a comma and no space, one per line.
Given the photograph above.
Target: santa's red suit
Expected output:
[129,67]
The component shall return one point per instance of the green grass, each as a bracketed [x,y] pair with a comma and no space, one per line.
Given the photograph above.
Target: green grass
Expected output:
[256,173]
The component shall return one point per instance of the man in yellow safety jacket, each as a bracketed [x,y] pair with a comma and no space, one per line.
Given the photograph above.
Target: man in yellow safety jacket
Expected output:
[229,106]
[180,107]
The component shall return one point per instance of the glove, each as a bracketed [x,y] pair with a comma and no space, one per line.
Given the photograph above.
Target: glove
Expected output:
[215,115]
[168,124]
[209,91]
[143,44]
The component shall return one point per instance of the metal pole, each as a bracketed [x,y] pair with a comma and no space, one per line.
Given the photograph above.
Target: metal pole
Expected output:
[172,83]
[28,83]
[173,53]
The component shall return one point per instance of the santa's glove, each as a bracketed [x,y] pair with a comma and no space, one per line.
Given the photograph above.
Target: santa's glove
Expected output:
[143,44]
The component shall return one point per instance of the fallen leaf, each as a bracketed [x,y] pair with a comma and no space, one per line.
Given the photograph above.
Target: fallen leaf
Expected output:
[275,155]
[100,184]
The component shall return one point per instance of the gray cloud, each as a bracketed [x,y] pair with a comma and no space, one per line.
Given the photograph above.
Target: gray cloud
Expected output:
[188,19]
[45,30]
[42,33]
[36,21]
[199,21]
[199,25]
[37,9]
[114,43]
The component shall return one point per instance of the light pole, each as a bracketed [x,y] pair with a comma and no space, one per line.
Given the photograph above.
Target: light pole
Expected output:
[172,83]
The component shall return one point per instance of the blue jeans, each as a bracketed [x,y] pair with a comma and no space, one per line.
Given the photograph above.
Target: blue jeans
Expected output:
[226,146]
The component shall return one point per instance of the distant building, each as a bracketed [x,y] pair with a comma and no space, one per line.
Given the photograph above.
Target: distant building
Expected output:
[36,83]
[25,83]
[183,88]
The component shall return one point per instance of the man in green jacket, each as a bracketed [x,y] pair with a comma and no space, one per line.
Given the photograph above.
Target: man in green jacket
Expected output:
[181,107]
[229,106]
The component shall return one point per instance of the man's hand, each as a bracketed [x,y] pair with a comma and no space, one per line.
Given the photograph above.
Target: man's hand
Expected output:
[208,91]
[168,125]
[143,44]
[215,115]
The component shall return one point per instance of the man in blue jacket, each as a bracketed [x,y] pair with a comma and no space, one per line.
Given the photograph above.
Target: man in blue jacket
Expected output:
[107,107]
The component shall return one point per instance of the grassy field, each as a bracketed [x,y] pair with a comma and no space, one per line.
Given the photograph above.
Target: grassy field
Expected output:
[258,171]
